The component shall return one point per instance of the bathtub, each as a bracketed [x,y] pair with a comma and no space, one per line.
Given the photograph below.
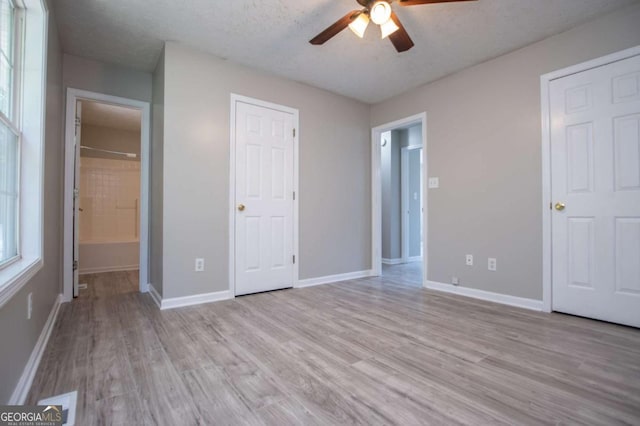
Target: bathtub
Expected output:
[107,256]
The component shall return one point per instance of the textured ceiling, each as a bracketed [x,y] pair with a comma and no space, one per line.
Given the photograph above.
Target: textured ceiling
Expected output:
[106,115]
[273,36]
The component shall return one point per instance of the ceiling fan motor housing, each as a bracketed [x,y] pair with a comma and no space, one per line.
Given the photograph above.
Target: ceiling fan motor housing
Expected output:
[367,3]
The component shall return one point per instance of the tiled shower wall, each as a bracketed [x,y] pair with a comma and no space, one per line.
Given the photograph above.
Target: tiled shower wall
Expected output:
[109,199]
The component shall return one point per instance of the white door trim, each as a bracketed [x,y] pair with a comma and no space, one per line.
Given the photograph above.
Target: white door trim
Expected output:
[73,95]
[545,82]
[232,182]
[376,191]
[404,202]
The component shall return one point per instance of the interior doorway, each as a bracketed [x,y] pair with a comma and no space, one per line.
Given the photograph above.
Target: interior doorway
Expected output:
[106,194]
[108,177]
[399,202]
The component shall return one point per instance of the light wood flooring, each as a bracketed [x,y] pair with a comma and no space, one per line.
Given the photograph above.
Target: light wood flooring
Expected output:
[368,351]
[408,274]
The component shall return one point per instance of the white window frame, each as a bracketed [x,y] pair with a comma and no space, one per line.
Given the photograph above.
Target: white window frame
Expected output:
[28,120]
[13,119]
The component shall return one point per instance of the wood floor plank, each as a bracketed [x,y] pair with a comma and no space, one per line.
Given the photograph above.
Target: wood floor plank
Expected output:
[119,410]
[288,412]
[216,400]
[378,350]
[110,375]
[162,391]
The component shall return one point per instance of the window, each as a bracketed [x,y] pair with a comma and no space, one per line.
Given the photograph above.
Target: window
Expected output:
[9,136]
[23,46]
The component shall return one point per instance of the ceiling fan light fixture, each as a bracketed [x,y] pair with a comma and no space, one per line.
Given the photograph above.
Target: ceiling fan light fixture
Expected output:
[388,28]
[359,25]
[380,12]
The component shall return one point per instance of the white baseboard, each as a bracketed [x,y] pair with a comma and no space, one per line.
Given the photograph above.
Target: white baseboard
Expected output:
[197,299]
[26,379]
[101,269]
[155,295]
[415,259]
[505,299]
[309,282]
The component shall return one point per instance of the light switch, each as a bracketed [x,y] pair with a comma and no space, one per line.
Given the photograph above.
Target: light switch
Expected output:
[434,182]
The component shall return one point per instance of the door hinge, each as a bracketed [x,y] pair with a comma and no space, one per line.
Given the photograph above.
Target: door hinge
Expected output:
[294,195]
[294,132]
[75,265]
[294,258]
[551,206]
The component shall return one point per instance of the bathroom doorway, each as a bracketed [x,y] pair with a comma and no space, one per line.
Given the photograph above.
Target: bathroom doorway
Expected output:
[106,195]
[109,197]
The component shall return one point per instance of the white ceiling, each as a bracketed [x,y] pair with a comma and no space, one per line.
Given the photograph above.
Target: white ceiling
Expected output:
[273,36]
[107,115]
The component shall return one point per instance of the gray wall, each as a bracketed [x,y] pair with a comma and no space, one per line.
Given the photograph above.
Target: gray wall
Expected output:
[334,196]
[484,142]
[111,139]
[157,164]
[415,231]
[390,196]
[94,76]
[18,334]
[411,136]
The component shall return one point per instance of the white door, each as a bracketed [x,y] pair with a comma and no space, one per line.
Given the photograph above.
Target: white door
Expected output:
[76,195]
[263,199]
[595,185]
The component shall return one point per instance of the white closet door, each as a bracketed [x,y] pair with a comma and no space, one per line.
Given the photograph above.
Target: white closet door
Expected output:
[264,199]
[595,169]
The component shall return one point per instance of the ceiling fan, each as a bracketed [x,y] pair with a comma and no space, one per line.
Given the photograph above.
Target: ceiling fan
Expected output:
[380,12]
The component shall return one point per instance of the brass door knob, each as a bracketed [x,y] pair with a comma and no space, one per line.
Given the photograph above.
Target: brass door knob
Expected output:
[559,206]
[241,207]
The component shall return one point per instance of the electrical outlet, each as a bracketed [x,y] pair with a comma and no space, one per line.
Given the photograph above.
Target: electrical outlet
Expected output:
[29,305]
[455,280]
[492,264]
[469,260]
[199,264]
[434,182]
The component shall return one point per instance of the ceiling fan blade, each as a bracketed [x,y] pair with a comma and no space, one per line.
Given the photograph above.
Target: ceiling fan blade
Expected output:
[400,39]
[419,2]
[335,28]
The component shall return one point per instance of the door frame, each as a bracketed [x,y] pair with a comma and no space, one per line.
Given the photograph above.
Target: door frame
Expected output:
[74,95]
[376,191]
[234,100]
[545,101]
[404,203]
